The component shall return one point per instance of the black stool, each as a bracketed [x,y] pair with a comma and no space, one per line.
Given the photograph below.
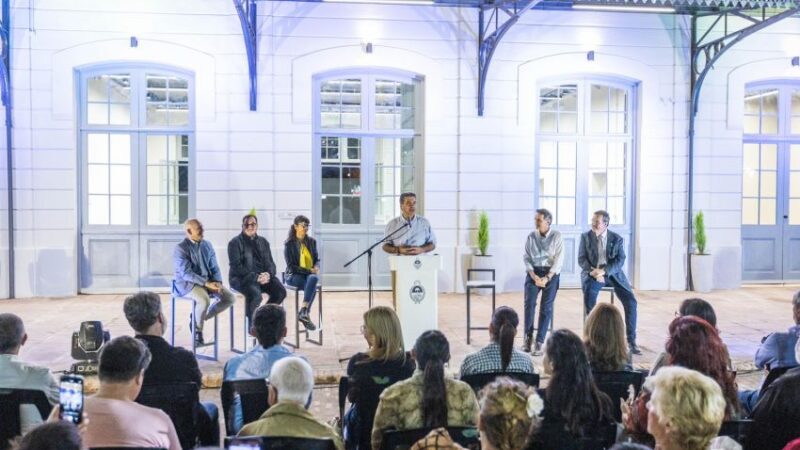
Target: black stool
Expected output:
[173,298]
[297,331]
[608,289]
[478,284]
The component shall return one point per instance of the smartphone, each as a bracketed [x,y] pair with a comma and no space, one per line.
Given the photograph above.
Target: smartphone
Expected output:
[245,443]
[70,398]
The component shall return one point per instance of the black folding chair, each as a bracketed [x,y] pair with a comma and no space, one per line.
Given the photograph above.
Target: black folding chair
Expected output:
[467,437]
[10,401]
[738,430]
[478,380]
[254,398]
[615,385]
[282,443]
[366,395]
[601,438]
[180,401]
[127,448]
[772,375]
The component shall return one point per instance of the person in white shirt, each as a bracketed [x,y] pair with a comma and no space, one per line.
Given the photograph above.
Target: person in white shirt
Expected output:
[544,256]
[16,374]
[418,238]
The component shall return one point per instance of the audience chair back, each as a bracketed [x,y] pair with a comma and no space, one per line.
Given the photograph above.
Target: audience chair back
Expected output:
[615,385]
[479,380]
[772,375]
[254,398]
[601,438]
[736,429]
[283,443]
[467,437]
[10,401]
[127,448]
[367,396]
[180,401]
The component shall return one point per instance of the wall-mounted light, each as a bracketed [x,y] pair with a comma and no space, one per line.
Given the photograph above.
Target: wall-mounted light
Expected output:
[366,47]
[796,61]
[134,41]
[590,55]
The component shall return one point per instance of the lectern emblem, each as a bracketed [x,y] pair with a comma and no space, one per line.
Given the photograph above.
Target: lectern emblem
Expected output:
[417,292]
[417,263]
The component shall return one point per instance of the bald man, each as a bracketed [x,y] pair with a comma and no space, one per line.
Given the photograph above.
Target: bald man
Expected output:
[197,276]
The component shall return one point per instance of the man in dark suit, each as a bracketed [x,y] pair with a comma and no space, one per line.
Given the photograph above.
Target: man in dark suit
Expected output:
[252,269]
[602,257]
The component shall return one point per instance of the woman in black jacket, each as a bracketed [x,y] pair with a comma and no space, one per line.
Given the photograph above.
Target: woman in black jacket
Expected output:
[302,266]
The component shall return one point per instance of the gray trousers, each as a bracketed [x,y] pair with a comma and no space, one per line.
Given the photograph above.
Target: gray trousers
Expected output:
[204,309]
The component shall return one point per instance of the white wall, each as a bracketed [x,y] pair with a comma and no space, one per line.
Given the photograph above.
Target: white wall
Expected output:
[263,159]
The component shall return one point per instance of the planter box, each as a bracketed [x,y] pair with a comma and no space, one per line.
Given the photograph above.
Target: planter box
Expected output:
[702,272]
[485,262]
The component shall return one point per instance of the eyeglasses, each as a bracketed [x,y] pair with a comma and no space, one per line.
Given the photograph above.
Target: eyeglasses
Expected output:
[304,225]
[251,224]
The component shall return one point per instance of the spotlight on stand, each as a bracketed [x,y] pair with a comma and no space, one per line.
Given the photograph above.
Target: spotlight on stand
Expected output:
[86,345]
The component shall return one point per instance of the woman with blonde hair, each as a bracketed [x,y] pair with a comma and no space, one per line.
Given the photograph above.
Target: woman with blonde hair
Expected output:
[685,410]
[384,363]
[604,336]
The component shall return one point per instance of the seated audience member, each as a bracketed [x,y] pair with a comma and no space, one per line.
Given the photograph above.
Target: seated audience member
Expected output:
[290,386]
[16,374]
[776,351]
[252,269]
[428,399]
[500,355]
[691,307]
[386,360]
[269,328]
[115,419]
[573,406]
[169,364]
[197,276]
[604,337]
[794,445]
[302,266]
[776,417]
[56,435]
[686,409]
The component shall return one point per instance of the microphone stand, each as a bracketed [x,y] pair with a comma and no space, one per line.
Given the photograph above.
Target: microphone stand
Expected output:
[368,252]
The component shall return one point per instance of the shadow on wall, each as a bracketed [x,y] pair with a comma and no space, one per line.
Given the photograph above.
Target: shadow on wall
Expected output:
[52,275]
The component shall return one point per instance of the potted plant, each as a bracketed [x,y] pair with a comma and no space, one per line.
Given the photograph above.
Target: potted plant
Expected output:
[702,262]
[483,260]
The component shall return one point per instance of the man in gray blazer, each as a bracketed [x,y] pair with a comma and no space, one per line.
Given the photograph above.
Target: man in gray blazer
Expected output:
[602,256]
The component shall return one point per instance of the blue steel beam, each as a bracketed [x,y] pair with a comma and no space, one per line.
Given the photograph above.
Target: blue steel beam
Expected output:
[5,97]
[246,10]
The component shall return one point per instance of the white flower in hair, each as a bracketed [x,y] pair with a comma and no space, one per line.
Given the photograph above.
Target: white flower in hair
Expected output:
[535,405]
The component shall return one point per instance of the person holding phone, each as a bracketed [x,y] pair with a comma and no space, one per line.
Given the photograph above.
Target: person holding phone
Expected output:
[17,374]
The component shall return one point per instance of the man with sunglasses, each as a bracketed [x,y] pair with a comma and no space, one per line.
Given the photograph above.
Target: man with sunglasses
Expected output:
[252,269]
[197,276]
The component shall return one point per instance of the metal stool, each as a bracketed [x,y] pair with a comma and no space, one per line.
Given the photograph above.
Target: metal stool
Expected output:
[173,298]
[297,331]
[603,289]
[246,331]
[478,284]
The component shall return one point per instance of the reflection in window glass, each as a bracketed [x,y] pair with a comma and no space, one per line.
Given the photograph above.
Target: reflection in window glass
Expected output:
[108,179]
[795,121]
[558,109]
[759,184]
[340,103]
[341,180]
[557,179]
[761,111]
[167,179]
[394,170]
[394,105]
[108,99]
[167,101]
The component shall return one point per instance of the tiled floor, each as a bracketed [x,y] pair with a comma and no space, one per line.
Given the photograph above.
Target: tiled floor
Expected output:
[744,316]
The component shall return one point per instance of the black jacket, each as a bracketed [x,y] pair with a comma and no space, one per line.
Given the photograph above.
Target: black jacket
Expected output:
[291,252]
[169,364]
[242,261]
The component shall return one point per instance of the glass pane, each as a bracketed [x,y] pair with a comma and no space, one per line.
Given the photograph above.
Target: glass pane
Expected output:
[618,100]
[750,124]
[351,209]
[97,151]
[597,156]
[616,210]
[547,182]
[796,102]
[566,155]
[550,204]
[407,179]
[407,152]
[156,81]
[750,183]
[120,213]
[156,114]
[120,114]
[120,179]
[769,124]
[569,98]
[329,120]
[384,182]
[157,210]
[617,123]
[179,116]
[384,210]
[120,149]
[97,179]
[350,118]
[354,149]
[157,150]
[598,183]
[173,208]
[330,180]
[178,96]
[566,183]
[566,211]
[616,155]
[98,210]
[767,212]
[795,125]
[794,157]
[769,103]
[595,204]
[567,123]
[547,154]
[599,98]
[616,182]
[768,184]
[750,157]
[599,121]
[752,103]
[97,113]
[156,180]
[330,209]
[330,148]
[183,208]
[794,185]
[547,122]
[769,157]
[351,180]
[794,212]
[749,211]
[97,89]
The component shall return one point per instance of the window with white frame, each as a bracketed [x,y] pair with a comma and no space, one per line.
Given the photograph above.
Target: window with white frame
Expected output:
[585,139]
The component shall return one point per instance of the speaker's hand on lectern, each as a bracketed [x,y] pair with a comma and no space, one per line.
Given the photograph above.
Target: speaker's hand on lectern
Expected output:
[413,250]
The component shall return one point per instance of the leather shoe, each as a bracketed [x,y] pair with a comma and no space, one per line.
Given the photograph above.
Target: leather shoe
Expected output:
[634,348]
[526,346]
[305,320]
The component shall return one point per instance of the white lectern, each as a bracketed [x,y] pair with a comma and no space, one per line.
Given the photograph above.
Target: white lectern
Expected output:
[416,294]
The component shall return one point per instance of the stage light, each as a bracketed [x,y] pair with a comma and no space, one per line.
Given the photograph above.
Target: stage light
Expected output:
[620,8]
[86,345]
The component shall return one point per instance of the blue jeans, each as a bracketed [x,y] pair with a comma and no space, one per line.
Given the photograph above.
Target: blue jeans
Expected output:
[306,282]
[591,288]
[548,298]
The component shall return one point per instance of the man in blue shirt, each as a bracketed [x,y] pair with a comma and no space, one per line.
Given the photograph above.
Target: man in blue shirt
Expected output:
[269,328]
[412,233]
[197,276]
